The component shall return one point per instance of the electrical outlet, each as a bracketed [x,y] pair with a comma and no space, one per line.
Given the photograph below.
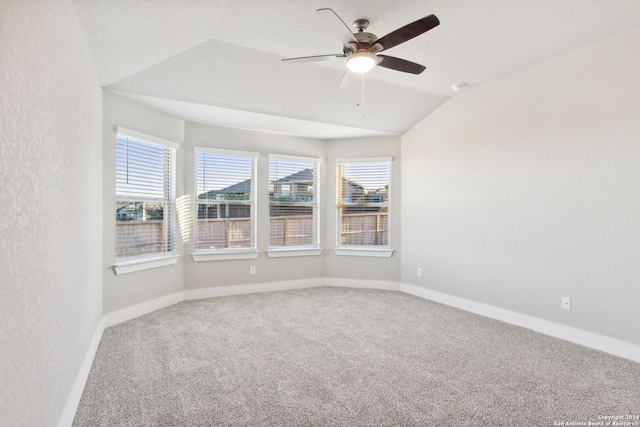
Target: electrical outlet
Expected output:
[252,269]
[566,303]
[419,272]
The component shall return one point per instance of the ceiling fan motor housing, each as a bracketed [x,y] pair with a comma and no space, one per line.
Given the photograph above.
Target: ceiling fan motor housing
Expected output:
[365,41]
[365,37]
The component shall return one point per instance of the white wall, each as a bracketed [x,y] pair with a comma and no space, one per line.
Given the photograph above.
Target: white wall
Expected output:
[363,268]
[236,272]
[125,290]
[526,190]
[50,197]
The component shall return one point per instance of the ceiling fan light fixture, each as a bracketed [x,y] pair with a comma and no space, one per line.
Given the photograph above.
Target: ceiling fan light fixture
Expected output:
[361,62]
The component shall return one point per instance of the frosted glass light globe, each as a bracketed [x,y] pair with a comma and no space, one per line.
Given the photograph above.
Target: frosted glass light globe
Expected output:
[361,62]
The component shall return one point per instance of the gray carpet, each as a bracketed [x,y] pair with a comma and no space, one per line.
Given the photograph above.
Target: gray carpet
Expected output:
[344,357]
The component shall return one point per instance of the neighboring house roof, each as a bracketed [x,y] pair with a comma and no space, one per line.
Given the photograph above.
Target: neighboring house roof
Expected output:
[383,190]
[305,175]
[353,184]
[239,188]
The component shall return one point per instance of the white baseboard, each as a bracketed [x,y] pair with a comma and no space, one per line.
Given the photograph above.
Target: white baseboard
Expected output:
[141,309]
[69,413]
[287,285]
[224,291]
[384,285]
[221,291]
[588,339]
[609,345]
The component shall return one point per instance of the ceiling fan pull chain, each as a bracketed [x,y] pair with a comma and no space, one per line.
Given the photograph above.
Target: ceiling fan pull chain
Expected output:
[360,94]
[362,101]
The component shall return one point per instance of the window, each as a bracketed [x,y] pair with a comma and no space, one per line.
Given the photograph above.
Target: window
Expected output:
[363,202]
[225,201]
[293,202]
[145,196]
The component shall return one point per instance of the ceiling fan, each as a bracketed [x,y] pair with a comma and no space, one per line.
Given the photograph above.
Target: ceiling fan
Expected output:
[361,50]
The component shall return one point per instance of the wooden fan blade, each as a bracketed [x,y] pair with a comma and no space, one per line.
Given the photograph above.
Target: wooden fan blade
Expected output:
[398,64]
[348,79]
[315,58]
[337,26]
[408,32]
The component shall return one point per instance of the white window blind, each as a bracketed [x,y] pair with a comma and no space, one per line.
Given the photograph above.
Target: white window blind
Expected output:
[145,198]
[293,201]
[363,202]
[225,201]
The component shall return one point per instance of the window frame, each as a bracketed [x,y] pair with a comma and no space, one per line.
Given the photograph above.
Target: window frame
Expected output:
[299,250]
[168,256]
[226,253]
[340,249]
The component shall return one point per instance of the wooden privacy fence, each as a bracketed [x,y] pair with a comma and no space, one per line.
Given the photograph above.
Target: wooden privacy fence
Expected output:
[143,237]
[134,238]
[364,229]
[224,233]
[291,230]
[296,230]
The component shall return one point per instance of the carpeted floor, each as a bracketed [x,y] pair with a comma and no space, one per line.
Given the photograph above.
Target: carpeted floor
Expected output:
[345,357]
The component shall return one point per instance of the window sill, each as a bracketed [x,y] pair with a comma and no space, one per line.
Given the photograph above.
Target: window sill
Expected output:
[223,255]
[288,252]
[125,267]
[364,251]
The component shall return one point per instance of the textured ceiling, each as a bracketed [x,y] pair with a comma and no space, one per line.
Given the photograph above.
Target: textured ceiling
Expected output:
[219,61]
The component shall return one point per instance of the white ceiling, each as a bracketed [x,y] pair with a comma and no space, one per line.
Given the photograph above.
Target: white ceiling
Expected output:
[219,61]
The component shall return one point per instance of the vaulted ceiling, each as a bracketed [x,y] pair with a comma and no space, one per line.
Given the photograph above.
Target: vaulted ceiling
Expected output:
[219,61]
